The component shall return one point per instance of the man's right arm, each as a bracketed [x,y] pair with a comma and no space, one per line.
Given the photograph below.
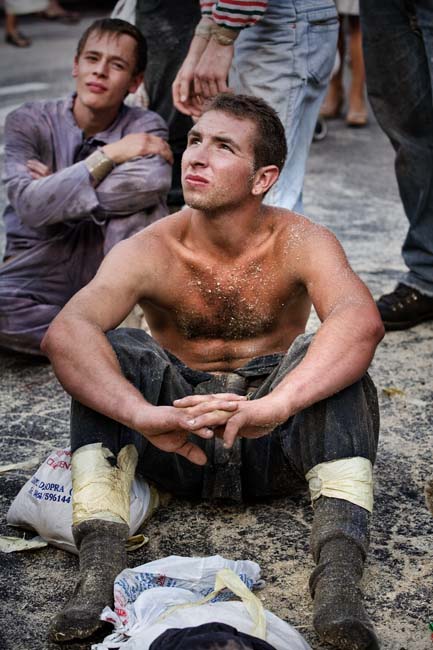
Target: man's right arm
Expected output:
[87,366]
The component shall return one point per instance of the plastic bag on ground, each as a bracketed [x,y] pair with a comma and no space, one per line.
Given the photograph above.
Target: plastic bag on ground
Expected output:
[169,593]
[44,503]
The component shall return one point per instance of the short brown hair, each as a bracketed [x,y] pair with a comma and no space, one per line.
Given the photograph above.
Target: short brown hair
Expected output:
[118,27]
[270,147]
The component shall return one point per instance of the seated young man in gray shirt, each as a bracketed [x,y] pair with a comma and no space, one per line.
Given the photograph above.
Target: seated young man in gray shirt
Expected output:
[229,398]
[82,173]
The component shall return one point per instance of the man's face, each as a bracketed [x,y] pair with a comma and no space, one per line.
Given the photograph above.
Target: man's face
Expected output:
[218,163]
[104,71]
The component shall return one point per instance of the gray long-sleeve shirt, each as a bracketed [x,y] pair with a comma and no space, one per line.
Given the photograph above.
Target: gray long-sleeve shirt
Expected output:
[129,198]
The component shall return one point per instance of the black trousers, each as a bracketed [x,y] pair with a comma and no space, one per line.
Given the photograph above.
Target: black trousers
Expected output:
[342,426]
[398,52]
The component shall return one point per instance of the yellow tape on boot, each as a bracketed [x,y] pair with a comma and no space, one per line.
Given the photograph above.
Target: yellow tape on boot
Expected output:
[347,478]
[99,489]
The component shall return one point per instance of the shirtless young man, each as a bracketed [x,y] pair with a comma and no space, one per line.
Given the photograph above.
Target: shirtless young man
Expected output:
[227,286]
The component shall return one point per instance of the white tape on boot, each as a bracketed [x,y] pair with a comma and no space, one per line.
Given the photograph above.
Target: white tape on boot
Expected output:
[99,489]
[347,478]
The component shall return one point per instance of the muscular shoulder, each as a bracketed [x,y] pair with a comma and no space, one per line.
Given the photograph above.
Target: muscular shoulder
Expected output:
[151,251]
[297,230]
[306,247]
[161,235]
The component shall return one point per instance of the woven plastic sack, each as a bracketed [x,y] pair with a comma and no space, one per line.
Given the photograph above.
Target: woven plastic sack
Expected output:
[44,503]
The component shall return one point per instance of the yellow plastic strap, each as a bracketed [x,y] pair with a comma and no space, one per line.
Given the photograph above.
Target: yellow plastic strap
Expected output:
[136,541]
[228,578]
[347,478]
[99,489]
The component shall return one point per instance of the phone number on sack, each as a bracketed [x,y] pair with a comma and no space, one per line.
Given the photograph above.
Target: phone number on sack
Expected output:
[49,491]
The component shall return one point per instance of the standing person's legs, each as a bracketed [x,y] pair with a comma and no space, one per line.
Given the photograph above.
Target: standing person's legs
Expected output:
[13,9]
[37,283]
[332,446]
[398,42]
[287,58]
[168,26]
[357,112]
[13,36]
[334,100]
[104,459]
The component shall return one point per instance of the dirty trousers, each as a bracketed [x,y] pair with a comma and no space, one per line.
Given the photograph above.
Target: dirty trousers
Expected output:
[342,426]
[36,283]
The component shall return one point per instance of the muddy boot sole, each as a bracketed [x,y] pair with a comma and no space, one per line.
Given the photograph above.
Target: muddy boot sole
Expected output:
[102,552]
[77,625]
[345,626]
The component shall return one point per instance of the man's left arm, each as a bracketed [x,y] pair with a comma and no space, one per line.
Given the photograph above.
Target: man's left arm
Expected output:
[340,352]
[351,328]
[140,182]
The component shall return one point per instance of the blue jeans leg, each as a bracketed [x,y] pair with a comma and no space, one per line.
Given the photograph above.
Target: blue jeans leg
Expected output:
[286,59]
[398,43]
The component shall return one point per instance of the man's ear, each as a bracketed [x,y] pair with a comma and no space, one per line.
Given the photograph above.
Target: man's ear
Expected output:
[136,82]
[75,68]
[264,178]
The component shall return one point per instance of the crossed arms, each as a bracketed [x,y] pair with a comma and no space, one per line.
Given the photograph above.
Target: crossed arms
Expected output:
[41,197]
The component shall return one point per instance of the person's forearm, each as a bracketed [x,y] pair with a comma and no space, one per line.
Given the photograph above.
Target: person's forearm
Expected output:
[87,367]
[134,186]
[338,356]
[65,195]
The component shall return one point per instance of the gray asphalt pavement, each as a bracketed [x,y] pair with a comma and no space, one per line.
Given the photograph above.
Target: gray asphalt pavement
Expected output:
[350,187]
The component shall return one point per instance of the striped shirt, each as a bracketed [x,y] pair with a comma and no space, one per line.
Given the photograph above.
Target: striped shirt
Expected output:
[235,14]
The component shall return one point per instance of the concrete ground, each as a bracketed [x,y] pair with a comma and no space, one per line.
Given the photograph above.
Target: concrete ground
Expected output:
[350,187]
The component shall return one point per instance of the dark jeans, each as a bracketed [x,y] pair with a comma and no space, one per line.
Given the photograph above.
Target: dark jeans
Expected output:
[398,52]
[342,426]
[168,26]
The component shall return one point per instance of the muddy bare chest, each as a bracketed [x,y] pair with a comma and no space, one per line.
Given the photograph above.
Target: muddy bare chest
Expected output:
[239,305]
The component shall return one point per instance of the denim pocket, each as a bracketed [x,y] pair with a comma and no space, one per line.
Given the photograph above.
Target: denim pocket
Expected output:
[322,34]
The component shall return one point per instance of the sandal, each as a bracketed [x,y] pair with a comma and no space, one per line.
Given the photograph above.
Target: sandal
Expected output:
[357,119]
[18,40]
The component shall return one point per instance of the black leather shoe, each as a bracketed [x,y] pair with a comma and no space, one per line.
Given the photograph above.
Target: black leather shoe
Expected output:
[404,307]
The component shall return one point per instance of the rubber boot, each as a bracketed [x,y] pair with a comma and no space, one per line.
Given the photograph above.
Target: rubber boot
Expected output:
[102,554]
[339,543]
